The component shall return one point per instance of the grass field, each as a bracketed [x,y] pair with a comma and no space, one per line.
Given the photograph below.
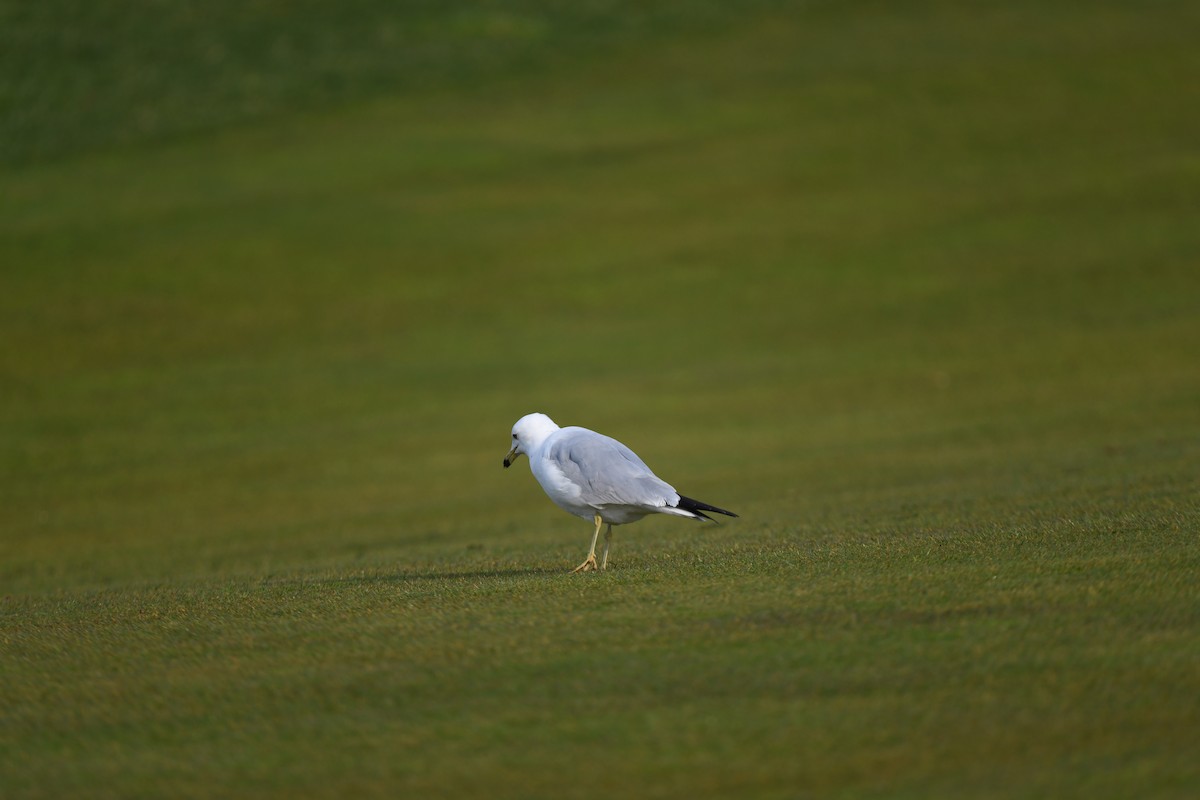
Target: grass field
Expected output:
[912,287]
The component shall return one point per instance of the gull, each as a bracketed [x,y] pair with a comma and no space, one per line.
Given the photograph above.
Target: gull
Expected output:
[595,477]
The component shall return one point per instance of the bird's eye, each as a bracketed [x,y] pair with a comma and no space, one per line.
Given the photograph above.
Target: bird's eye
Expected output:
[514,436]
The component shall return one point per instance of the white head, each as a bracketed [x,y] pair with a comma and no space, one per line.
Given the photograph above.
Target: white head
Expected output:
[528,434]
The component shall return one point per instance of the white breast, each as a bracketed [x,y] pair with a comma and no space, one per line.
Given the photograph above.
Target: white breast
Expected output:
[563,492]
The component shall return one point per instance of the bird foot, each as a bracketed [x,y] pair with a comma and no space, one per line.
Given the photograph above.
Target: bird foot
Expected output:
[587,566]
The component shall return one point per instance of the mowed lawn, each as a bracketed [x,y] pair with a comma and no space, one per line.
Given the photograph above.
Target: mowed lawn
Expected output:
[911,287]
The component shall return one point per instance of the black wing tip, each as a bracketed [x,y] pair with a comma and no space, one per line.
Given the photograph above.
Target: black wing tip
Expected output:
[698,508]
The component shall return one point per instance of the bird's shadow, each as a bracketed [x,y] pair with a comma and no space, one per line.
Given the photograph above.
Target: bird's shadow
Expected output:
[414,576]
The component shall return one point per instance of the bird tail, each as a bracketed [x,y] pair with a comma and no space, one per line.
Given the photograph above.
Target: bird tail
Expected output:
[697,509]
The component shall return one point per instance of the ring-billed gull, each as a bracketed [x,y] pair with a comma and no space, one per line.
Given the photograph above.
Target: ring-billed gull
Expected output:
[596,477]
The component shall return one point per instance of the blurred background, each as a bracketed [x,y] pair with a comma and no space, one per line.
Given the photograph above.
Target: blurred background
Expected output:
[277,278]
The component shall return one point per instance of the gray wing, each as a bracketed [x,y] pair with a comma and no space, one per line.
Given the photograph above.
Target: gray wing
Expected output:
[608,472]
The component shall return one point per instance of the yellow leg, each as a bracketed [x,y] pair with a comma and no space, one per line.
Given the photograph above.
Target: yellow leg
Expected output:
[590,563]
[607,542]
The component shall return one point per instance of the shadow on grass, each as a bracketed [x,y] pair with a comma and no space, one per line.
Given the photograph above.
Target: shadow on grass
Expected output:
[453,575]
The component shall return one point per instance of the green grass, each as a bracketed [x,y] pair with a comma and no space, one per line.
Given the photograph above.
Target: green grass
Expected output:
[911,287]
[80,75]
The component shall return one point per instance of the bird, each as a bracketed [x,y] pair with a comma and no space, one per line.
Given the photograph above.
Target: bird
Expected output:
[595,477]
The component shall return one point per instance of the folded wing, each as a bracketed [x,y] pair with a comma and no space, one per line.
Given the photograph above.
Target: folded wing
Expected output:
[607,472]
